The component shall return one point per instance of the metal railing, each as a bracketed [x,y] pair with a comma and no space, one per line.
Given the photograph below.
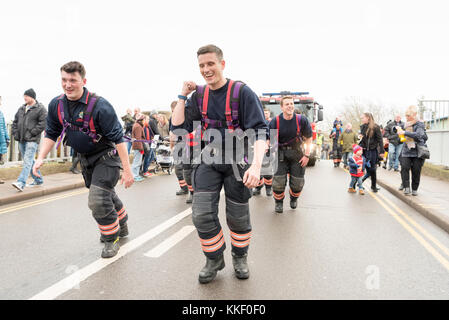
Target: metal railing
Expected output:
[14,158]
[435,113]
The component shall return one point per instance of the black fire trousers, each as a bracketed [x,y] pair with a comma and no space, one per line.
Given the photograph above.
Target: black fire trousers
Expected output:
[101,177]
[208,179]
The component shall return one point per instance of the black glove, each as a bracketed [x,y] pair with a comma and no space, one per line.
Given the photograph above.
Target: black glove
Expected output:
[7,144]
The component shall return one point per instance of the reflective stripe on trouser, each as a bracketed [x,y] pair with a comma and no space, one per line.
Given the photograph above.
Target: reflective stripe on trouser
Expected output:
[268,180]
[107,208]
[207,183]
[187,173]
[179,174]
[289,166]
[265,180]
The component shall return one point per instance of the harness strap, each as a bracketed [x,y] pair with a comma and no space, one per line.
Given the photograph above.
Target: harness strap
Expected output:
[205,103]
[228,106]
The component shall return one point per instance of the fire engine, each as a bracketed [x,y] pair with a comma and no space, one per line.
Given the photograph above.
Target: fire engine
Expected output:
[304,104]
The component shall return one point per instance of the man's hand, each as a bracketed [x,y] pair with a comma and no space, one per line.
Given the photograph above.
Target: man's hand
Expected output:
[267,147]
[37,164]
[127,178]
[251,177]
[188,87]
[304,161]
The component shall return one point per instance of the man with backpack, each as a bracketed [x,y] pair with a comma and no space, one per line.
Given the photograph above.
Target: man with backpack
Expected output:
[395,144]
[91,128]
[228,107]
[128,122]
[294,133]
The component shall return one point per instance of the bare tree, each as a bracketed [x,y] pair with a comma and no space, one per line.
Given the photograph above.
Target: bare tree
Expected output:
[353,108]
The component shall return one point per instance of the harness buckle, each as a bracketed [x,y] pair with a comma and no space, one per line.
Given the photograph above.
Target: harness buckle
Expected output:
[99,136]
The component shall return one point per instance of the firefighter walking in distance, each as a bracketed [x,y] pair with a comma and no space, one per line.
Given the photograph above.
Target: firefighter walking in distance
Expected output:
[183,169]
[92,129]
[265,180]
[294,146]
[226,106]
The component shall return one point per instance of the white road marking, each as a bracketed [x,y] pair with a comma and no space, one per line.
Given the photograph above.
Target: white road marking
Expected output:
[167,244]
[77,277]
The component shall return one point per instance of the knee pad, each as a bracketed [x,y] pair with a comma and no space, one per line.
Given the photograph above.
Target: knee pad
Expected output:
[237,216]
[100,202]
[205,211]
[279,183]
[296,184]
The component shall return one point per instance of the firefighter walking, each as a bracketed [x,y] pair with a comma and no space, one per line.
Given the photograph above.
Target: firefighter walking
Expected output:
[294,146]
[92,129]
[183,169]
[226,106]
[265,180]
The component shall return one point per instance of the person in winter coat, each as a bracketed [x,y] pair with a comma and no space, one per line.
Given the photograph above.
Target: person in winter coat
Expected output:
[138,134]
[371,143]
[29,122]
[395,144]
[415,134]
[357,164]
[4,139]
[128,122]
[347,139]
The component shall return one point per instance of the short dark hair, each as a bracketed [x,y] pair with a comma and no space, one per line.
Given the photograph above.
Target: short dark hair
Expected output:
[285,98]
[74,66]
[210,48]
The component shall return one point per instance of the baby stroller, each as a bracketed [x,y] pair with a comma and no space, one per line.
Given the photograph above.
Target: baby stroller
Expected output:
[164,157]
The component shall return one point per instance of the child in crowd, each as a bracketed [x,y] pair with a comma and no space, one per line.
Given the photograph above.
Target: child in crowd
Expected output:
[357,164]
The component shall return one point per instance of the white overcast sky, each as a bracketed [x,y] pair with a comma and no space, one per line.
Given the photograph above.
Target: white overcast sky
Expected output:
[138,53]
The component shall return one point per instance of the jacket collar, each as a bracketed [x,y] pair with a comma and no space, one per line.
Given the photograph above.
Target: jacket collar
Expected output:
[84,98]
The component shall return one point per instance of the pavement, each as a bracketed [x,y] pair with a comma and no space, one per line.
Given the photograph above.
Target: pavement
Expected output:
[432,200]
[53,183]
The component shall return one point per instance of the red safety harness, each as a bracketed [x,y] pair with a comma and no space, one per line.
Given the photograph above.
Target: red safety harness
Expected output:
[88,127]
[231,111]
[298,131]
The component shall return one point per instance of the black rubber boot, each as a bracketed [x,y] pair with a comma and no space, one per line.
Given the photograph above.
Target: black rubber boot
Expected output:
[209,271]
[268,191]
[240,266]
[182,191]
[110,249]
[279,206]
[293,202]
[123,231]
[189,197]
